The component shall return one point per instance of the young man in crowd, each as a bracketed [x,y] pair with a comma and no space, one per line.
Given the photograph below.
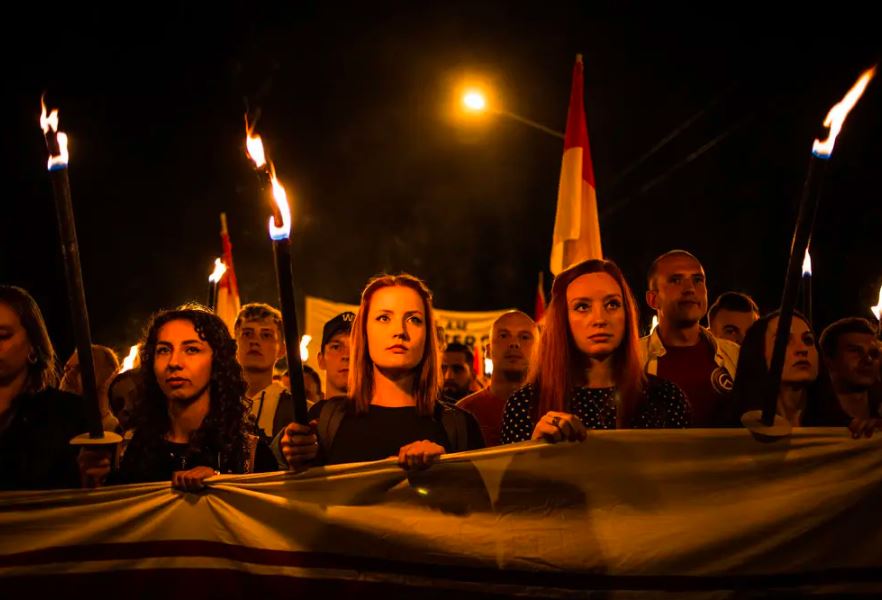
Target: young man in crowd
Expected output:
[680,349]
[333,358]
[456,368]
[260,340]
[851,354]
[732,315]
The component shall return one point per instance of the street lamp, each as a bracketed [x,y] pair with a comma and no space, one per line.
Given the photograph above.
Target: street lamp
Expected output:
[475,101]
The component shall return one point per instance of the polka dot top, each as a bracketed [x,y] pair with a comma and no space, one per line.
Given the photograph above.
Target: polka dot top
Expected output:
[664,406]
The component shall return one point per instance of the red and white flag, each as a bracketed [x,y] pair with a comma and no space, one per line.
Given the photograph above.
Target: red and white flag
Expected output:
[576,225]
[228,304]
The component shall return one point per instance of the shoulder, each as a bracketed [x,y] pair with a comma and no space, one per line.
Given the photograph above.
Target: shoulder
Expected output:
[444,406]
[662,389]
[472,399]
[523,397]
[68,408]
[727,348]
[527,392]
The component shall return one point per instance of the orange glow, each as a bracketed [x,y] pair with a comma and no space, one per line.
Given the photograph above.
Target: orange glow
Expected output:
[254,146]
[280,230]
[836,117]
[877,310]
[48,122]
[219,269]
[129,361]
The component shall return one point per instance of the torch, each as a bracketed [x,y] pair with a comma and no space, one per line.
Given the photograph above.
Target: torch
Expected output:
[280,233]
[56,143]
[766,422]
[213,280]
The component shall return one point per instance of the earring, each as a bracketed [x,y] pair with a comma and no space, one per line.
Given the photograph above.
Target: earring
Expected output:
[32,357]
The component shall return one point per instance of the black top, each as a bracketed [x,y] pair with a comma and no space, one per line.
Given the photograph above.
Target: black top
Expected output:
[35,450]
[664,406]
[382,431]
[141,463]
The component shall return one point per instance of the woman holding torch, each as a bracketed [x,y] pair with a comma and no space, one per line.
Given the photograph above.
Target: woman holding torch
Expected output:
[394,407]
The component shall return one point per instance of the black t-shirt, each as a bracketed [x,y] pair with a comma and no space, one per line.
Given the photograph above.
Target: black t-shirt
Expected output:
[35,450]
[141,463]
[382,431]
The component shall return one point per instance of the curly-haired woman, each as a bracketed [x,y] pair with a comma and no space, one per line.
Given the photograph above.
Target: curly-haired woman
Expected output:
[191,421]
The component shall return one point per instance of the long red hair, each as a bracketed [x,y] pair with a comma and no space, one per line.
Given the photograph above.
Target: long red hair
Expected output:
[555,371]
[427,383]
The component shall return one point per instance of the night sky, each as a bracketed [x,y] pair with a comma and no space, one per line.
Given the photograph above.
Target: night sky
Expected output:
[355,113]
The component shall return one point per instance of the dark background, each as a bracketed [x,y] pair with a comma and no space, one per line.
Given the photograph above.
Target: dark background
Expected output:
[355,112]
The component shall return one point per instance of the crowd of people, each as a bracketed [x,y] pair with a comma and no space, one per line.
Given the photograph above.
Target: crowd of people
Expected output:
[204,401]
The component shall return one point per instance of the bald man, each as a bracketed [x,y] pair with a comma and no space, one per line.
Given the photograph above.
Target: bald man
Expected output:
[511,350]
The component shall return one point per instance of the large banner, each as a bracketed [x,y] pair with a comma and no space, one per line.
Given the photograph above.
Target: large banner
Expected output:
[690,512]
[469,328]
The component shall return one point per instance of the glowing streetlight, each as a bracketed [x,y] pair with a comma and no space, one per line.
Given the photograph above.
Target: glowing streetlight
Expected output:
[474,100]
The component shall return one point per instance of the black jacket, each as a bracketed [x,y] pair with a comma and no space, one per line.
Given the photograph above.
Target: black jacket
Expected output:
[35,450]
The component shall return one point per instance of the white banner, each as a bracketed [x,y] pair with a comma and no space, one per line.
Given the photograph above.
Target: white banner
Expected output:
[682,511]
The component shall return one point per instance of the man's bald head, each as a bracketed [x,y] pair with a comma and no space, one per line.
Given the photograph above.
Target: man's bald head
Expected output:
[511,343]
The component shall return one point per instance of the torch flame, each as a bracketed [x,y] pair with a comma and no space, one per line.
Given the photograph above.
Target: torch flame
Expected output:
[219,269]
[48,122]
[283,230]
[304,347]
[254,146]
[877,310]
[60,161]
[129,361]
[836,116]
[807,264]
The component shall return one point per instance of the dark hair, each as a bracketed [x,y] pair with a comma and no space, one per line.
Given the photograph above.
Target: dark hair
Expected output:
[224,427]
[733,301]
[554,371]
[459,347]
[43,370]
[752,375]
[653,268]
[307,370]
[258,311]
[830,336]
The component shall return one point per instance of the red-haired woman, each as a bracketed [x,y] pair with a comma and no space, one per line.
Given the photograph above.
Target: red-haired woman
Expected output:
[393,407]
[588,373]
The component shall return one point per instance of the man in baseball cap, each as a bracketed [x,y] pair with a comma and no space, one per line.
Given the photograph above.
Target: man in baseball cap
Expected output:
[333,358]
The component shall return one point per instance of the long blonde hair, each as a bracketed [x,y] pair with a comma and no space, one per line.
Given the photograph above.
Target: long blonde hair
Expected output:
[427,384]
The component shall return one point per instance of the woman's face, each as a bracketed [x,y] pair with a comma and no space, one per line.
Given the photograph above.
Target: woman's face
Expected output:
[596,313]
[396,328]
[14,345]
[182,362]
[801,359]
